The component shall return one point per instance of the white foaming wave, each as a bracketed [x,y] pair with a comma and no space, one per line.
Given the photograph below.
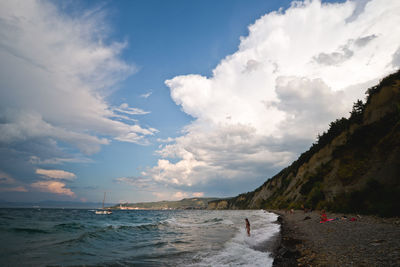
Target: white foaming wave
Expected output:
[175,222]
[237,254]
[228,222]
[244,250]
[264,228]
[127,225]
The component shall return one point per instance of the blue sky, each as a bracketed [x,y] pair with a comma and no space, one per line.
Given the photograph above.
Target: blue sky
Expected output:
[154,100]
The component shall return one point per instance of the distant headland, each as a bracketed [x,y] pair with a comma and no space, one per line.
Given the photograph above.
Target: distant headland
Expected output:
[183,204]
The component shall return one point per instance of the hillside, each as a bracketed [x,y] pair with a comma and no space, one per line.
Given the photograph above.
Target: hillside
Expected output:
[186,203]
[353,167]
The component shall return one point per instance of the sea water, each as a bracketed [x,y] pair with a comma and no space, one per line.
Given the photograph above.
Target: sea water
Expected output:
[43,237]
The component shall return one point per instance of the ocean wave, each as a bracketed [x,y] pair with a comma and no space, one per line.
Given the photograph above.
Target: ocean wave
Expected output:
[208,222]
[213,220]
[235,254]
[144,226]
[79,253]
[69,226]
[29,230]
[156,245]
[105,232]
[82,238]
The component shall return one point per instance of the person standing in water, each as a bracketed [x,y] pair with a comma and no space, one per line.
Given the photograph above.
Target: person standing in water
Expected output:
[247,227]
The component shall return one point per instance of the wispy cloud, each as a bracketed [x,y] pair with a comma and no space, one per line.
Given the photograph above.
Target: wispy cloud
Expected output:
[146,95]
[166,140]
[65,74]
[54,187]
[64,66]
[6,179]
[56,174]
[9,184]
[13,189]
[35,160]
[124,108]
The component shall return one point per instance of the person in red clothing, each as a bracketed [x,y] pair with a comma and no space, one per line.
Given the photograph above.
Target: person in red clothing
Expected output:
[324,218]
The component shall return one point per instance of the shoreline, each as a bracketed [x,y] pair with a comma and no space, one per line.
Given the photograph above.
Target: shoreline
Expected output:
[367,241]
[285,252]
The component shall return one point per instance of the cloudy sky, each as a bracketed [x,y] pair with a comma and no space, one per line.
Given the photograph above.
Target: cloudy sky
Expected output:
[154,100]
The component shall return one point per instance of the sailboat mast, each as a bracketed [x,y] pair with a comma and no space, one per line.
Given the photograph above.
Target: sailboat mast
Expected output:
[104,199]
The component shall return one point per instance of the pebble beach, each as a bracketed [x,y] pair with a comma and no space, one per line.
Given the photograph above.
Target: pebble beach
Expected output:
[363,241]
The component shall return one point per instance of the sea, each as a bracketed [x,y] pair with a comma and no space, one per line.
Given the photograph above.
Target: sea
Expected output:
[79,237]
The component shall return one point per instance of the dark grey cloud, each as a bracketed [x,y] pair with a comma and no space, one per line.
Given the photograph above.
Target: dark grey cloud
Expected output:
[359,9]
[251,65]
[309,103]
[345,52]
[334,58]
[363,41]
[396,59]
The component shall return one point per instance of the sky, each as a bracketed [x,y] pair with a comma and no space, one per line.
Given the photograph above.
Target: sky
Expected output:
[163,100]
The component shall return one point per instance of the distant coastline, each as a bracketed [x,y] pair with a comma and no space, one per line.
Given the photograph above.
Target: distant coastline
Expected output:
[183,204]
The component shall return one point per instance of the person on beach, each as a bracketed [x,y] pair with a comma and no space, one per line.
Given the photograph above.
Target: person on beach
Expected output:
[247,226]
[324,218]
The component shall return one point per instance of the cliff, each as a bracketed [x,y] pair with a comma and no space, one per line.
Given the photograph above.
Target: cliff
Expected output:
[353,167]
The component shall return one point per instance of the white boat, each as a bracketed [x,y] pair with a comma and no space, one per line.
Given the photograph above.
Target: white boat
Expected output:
[103,211]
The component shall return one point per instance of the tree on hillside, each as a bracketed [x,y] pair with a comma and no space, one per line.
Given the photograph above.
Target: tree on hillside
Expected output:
[357,111]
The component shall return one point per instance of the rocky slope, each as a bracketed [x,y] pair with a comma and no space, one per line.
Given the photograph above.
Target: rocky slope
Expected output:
[353,167]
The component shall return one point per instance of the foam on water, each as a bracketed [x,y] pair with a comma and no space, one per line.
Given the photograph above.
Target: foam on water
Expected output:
[243,249]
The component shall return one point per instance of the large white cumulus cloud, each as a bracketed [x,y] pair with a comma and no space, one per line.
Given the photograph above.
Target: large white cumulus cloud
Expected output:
[56,70]
[295,72]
